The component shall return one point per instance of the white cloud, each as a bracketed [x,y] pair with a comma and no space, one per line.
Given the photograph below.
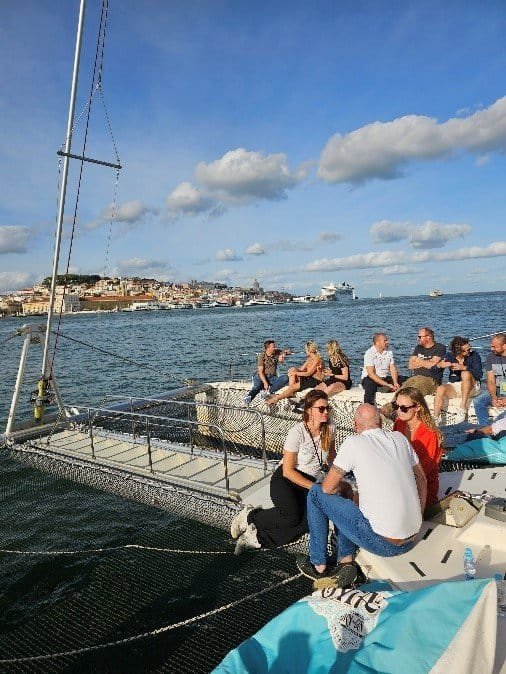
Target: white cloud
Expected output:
[129,213]
[435,235]
[386,231]
[396,269]
[393,258]
[427,235]
[227,254]
[242,176]
[140,265]
[255,249]
[15,280]
[13,239]
[382,149]
[186,199]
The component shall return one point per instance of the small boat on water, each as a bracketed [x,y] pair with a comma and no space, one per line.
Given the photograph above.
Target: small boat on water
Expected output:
[435,293]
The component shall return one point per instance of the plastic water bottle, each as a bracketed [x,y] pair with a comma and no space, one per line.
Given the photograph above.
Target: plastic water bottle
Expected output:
[469,564]
[501,595]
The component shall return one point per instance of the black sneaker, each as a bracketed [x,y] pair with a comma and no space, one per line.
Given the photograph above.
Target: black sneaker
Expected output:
[298,408]
[349,574]
[307,569]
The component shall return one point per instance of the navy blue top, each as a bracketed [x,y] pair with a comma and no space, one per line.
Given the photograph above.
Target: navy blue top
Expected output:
[473,363]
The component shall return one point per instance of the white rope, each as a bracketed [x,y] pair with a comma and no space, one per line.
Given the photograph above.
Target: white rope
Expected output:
[130,546]
[160,630]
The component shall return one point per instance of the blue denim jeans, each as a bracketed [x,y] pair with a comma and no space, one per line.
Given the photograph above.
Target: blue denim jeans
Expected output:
[275,383]
[353,529]
[481,404]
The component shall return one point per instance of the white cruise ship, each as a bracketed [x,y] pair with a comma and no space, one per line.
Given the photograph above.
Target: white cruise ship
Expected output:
[332,291]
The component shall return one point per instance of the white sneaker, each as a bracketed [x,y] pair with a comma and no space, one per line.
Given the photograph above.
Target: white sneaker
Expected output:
[460,416]
[247,399]
[247,540]
[239,523]
[264,394]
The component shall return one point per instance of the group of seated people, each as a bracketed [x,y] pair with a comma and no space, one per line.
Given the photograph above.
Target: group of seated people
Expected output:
[427,363]
[395,472]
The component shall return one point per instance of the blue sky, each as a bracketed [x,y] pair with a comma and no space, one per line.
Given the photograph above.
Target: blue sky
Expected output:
[297,143]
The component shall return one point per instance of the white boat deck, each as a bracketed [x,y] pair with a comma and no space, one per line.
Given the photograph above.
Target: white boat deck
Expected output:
[201,469]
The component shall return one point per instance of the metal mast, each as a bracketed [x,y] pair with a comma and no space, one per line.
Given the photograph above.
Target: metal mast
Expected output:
[61,208]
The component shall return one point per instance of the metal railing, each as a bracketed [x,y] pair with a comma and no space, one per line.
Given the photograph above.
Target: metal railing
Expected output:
[91,417]
[139,400]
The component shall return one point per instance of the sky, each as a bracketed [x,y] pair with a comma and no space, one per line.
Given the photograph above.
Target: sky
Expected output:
[297,143]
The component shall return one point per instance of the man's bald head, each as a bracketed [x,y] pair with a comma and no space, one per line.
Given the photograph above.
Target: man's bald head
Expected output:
[366,417]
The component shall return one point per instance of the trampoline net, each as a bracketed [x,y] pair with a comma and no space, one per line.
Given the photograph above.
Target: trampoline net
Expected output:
[121,608]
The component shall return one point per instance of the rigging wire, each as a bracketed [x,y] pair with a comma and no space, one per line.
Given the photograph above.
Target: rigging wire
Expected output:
[95,85]
[117,355]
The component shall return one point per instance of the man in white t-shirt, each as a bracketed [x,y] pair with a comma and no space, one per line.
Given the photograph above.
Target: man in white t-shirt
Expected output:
[392,489]
[379,368]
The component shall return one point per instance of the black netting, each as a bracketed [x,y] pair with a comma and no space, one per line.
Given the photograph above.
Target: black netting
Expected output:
[54,604]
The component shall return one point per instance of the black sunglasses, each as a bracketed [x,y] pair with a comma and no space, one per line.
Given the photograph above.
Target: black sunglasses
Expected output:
[321,408]
[403,408]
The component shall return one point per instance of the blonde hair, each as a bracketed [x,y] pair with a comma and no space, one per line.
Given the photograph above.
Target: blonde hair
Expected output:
[336,356]
[423,413]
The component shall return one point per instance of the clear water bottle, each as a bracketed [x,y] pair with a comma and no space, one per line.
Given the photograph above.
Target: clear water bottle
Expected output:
[501,595]
[469,564]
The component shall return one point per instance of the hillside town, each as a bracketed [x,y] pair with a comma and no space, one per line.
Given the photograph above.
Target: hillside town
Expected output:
[75,293]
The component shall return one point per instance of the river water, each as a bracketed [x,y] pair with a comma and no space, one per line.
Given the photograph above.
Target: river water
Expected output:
[51,604]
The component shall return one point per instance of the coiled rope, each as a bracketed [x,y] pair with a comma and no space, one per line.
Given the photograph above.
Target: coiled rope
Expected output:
[160,630]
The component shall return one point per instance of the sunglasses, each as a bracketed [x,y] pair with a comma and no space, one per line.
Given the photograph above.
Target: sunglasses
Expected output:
[321,408]
[403,408]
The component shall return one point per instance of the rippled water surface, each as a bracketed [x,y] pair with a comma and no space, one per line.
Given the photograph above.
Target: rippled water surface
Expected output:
[52,604]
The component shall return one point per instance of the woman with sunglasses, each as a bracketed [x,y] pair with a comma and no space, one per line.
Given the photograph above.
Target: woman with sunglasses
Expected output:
[466,371]
[309,449]
[414,420]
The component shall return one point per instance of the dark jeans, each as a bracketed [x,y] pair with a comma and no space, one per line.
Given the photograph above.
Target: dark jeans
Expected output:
[370,388]
[287,521]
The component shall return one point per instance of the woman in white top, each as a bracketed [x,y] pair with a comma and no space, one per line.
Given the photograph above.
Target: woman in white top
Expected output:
[309,448]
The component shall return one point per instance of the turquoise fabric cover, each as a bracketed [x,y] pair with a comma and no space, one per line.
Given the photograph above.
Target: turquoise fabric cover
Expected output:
[358,632]
[483,449]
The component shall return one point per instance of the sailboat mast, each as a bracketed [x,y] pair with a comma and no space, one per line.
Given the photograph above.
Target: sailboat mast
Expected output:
[63,189]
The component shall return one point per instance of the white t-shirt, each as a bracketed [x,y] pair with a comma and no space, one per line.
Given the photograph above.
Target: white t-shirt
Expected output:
[382,462]
[299,441]
[380,361]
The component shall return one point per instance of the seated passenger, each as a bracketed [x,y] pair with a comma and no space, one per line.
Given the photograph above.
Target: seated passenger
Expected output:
[495,393]
[415,422]
[309,375]
[337,375]
[379,368]
[266,377]
[392,490]
[309,448]
[485,444]
[464,381]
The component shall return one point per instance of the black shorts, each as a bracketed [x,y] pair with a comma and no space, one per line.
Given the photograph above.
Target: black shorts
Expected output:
[308,382]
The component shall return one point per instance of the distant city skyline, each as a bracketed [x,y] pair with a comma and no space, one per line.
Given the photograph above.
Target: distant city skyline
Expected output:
[297,144]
